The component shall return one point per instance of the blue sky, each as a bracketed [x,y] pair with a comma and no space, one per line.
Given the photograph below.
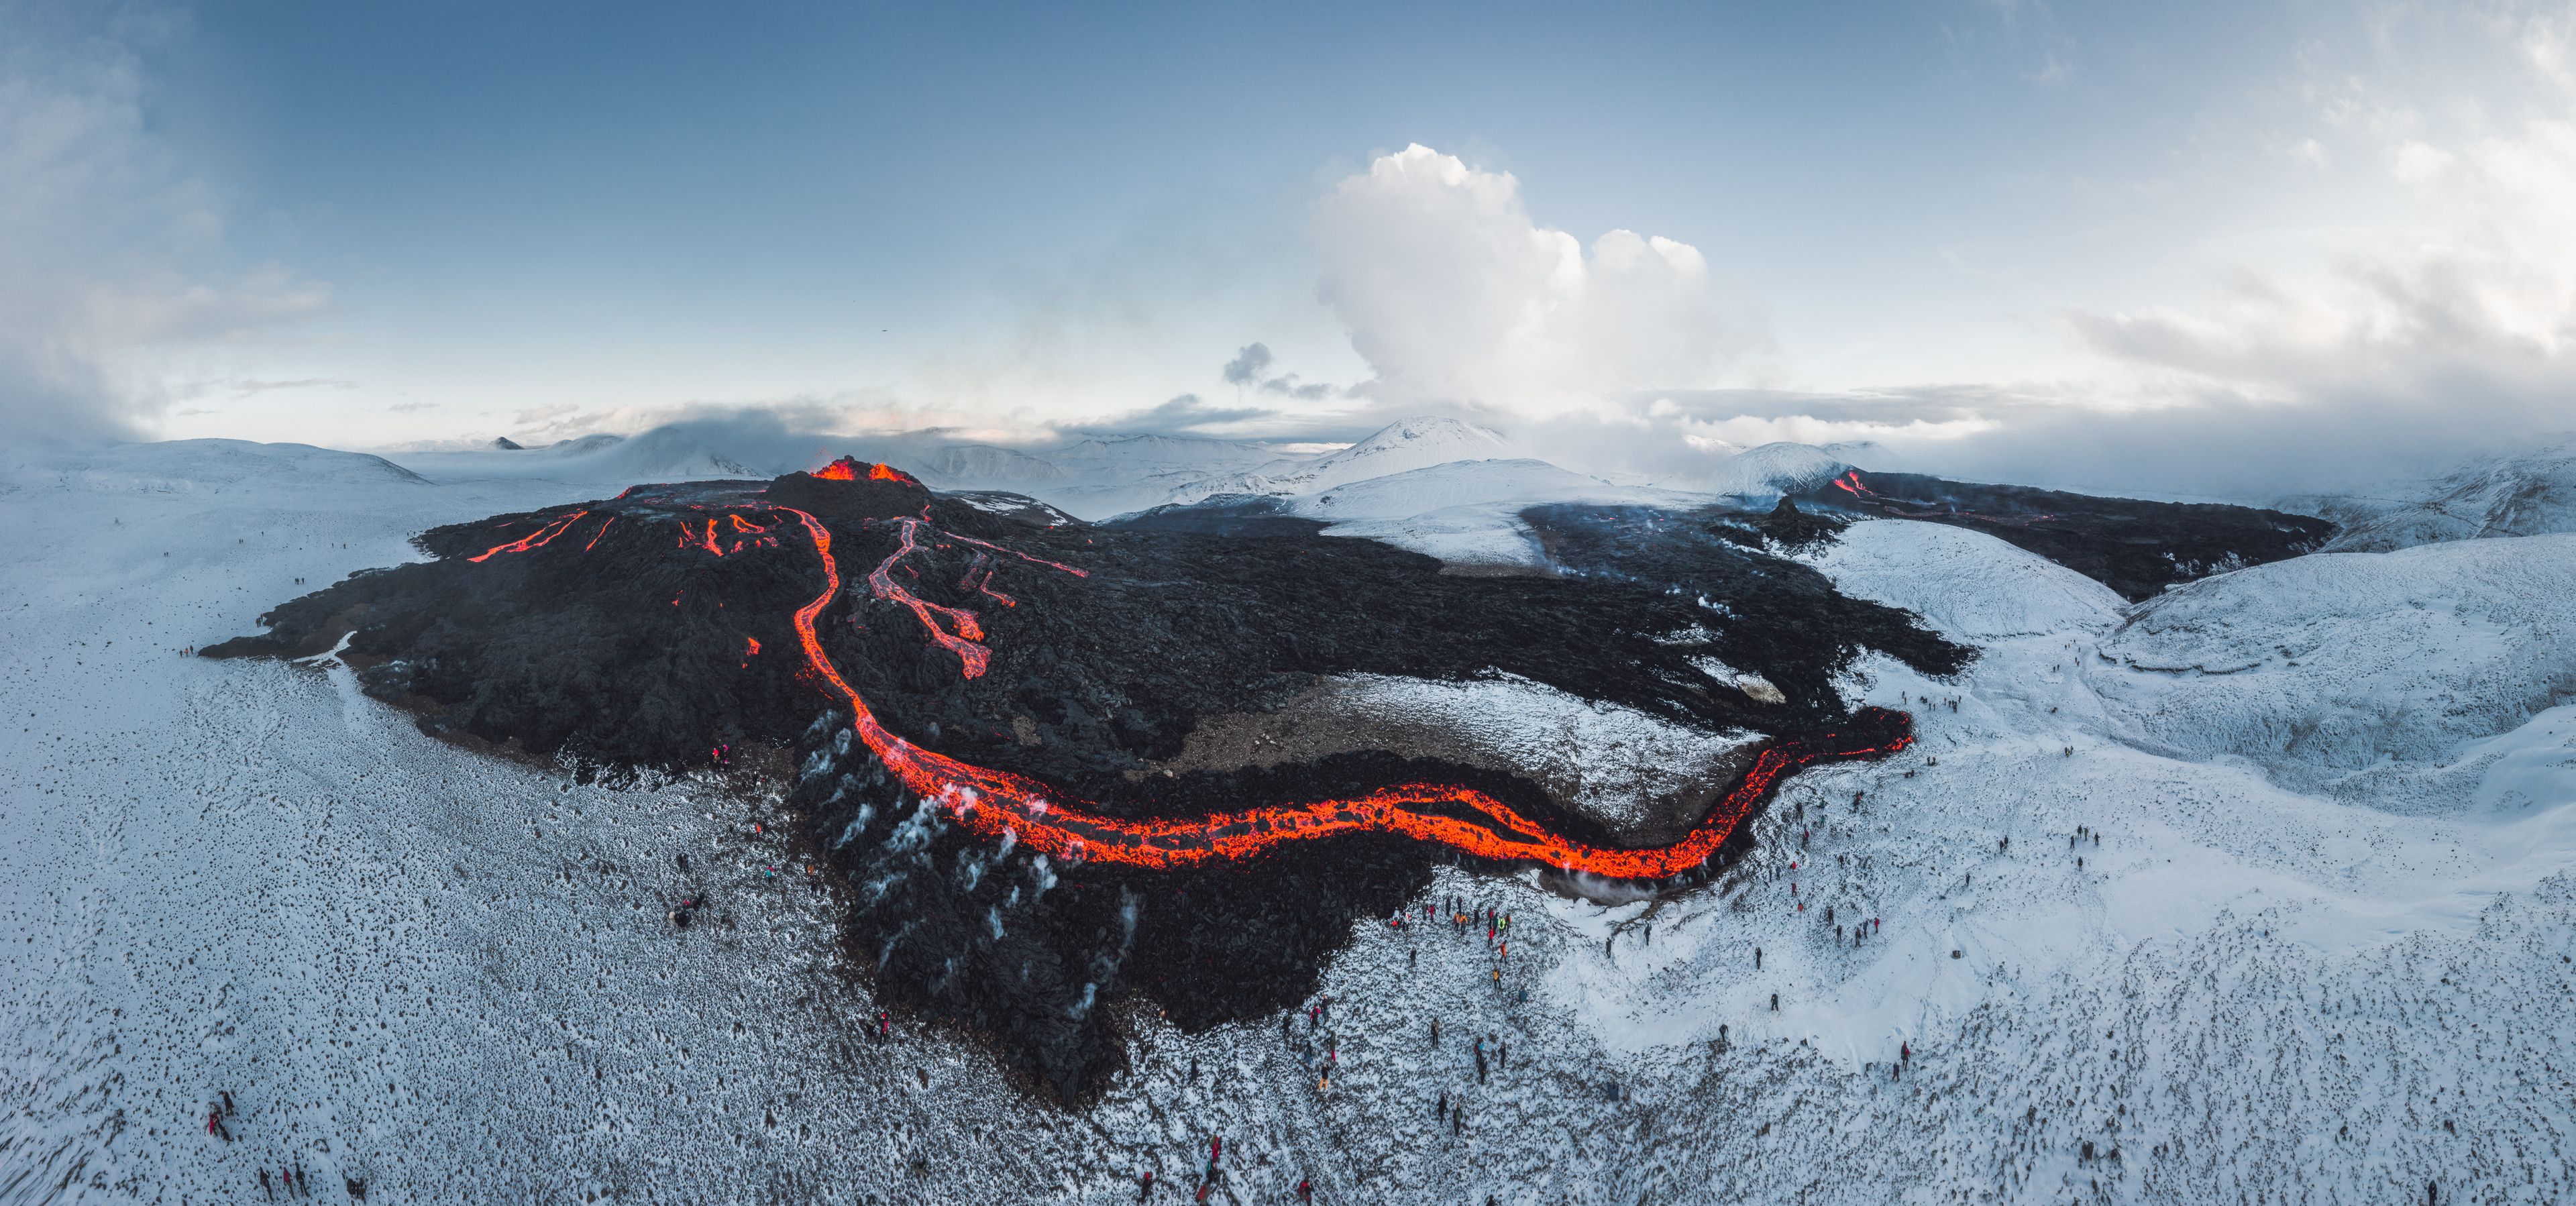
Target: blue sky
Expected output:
[455,220]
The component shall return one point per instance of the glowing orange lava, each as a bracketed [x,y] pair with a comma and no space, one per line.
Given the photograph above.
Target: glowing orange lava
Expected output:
[997,803]
[534,540]
[966,642]
[848,469]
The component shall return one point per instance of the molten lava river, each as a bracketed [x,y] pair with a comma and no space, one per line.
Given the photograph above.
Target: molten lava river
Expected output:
[999,804]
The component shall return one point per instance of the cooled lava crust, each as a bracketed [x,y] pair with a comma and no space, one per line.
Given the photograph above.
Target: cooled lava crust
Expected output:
[973,686]
[2135,547]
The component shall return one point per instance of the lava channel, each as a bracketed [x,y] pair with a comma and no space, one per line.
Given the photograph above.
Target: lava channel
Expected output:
[998,804]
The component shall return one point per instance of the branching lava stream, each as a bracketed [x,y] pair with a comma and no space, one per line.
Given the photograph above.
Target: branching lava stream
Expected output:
[997,803]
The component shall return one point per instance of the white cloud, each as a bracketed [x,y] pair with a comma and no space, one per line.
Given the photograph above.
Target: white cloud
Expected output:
[2453,333]
[114,251]
[2419,163]
[1453,294]
[2489,289]
[2545,40]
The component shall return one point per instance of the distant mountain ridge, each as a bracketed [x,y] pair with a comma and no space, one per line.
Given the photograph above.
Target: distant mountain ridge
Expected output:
[2520,494]
[1406,444]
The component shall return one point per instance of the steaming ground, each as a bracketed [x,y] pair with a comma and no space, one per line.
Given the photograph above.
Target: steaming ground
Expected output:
[450,974]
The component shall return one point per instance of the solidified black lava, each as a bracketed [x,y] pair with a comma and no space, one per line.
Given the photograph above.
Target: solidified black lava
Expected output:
[1784,525]
[2135,547]
[654,629]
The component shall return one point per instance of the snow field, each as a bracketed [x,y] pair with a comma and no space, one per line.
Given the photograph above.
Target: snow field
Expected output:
[450,974]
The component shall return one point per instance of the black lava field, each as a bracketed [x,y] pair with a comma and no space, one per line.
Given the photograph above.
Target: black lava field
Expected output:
[967,693]
[2135,547]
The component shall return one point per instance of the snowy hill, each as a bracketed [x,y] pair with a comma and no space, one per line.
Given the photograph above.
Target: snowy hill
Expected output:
[1414,443]
[193,466]
[1466,513]
[2359,675]
[1966,584]
[2524,494]
[1769,471]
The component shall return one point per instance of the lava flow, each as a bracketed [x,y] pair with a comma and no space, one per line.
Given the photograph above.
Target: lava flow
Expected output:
[1001,805]
[537,539]
[998,804]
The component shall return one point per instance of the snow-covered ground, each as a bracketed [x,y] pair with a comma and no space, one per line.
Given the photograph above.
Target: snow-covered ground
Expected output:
[1466,513]
[450,975]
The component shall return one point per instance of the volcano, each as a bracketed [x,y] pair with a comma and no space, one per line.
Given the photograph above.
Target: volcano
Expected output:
[976,706]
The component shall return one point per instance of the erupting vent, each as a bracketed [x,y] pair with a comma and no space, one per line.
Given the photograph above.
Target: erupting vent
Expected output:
[848,469]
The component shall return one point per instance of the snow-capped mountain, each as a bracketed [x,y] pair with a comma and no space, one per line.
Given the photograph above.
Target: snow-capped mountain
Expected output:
[1144,455]
[1769,471]
[984,464]
[1414,443]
